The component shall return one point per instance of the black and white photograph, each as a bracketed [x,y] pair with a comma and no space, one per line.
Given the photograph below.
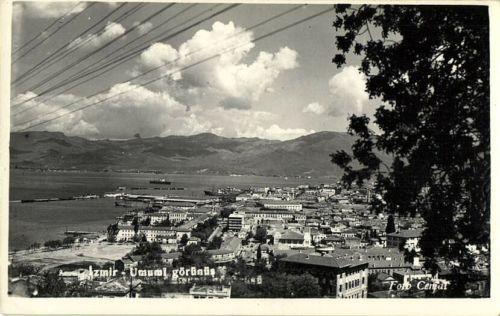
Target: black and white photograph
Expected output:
[249,151]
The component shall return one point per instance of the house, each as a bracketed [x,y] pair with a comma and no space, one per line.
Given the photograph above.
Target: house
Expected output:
[236,221]
[168,258]
[408,239]
[281,205]
[120,287]
[193,241]
[291,238]
[338,278]
[210,291]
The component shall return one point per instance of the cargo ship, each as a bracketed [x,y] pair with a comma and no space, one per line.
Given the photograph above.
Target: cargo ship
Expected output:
[160,181]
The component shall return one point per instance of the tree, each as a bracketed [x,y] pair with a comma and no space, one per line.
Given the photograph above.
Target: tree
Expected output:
[281,285]
[215,243]
[135,223]
[227,211]
[69,240]
[151,252]
[259,253]
[184,240]
[391,227]
[194,256]
[52,285]
[112,232]
[261,234]
[146,221]
[164,223]
[430,68]
[53,244]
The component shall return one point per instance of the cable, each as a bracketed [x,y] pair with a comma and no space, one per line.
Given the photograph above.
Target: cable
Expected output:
[66,81]
[60,27]
[44,30]
[103,68]
[98,50]
[54,57]
[181,69]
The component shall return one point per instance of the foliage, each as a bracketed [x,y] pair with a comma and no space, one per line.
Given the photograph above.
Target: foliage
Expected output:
[215,243]
[259,253]
[35,245]
[135,223]
[53,244]
[68,240]
[194,256]
[52,286]
[261,234]
[391,227]
[112,232]
[24,269]
[184,240]
[227,211]
[409,255]
[281,285]
[146,221]
[151,252]
[204,230]
[430,68]
[164,223]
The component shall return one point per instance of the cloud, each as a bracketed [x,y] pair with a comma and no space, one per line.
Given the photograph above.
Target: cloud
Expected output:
[136,109]
[348,91]
[110,32]
[276,132]
[315,108]
[235,83]
[143,28]
[47,9]
[158,54]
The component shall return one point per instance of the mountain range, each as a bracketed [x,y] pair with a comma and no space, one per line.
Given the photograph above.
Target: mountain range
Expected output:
[202,153]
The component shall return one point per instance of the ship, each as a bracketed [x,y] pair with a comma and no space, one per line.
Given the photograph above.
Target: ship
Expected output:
[160,181]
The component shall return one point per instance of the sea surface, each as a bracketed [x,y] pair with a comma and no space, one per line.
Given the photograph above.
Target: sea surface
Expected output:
[41,221]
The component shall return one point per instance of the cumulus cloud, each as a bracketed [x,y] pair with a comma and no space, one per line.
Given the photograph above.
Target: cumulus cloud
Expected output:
[276,132]
[143,28]
[110,32]
[47,9]
[237,84]
[348,91]
[315,108]
[158,54]
[215,96]
[136,109]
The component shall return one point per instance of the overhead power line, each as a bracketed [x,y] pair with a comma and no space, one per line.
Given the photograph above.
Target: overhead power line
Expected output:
[129,56]
[103,68]
[181,69]
[56,56]
[58,73]
[58,28]
[45,29]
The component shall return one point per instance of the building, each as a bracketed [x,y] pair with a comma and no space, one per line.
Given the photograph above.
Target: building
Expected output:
[337,278]
[120,287]
[281,205]
[407,238]
[236,221]
[229,250]
[210,291]
[276,214]
[152,233]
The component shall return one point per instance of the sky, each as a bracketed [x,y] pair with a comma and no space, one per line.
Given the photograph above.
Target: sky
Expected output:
[216,77]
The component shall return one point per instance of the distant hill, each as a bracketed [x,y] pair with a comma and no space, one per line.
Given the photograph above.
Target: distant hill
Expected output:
[208,153]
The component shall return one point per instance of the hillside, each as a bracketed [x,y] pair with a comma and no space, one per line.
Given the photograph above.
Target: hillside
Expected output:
[306,155]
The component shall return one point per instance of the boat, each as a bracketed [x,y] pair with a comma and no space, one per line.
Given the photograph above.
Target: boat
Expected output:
[160,181]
